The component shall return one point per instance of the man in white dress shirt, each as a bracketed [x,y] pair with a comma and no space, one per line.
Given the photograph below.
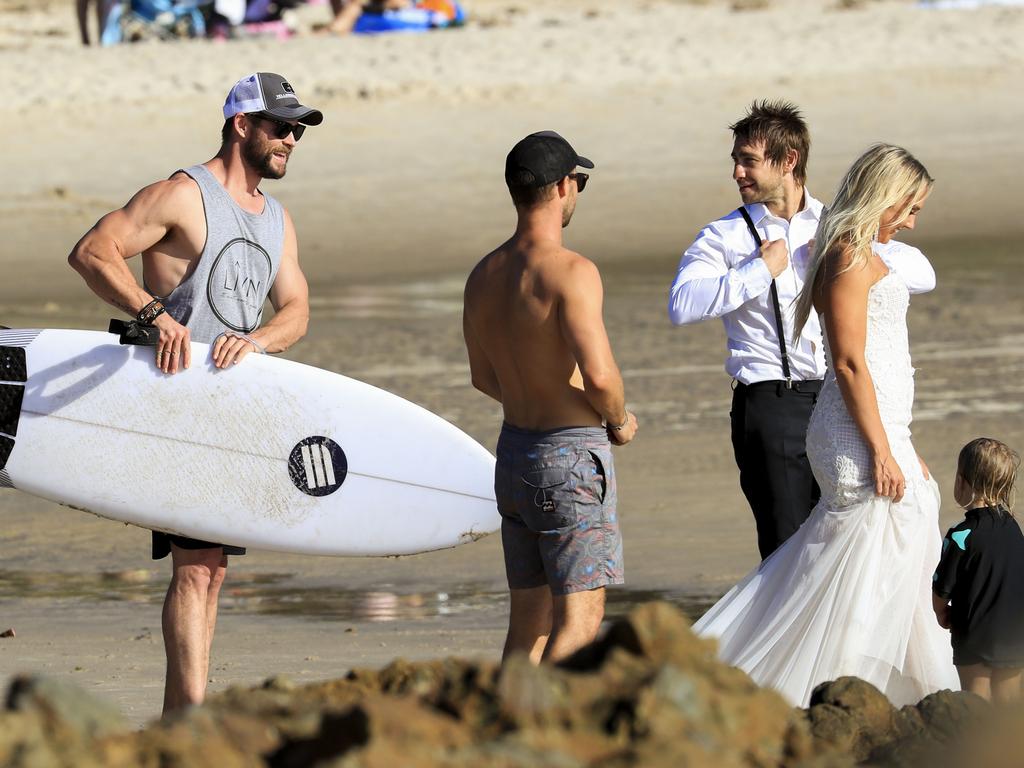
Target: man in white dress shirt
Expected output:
[748,268]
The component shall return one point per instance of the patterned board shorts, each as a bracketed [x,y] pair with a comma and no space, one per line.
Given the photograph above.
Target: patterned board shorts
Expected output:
[556,495]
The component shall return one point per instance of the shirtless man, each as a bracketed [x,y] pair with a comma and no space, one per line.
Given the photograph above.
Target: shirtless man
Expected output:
[214,247]
[537,344]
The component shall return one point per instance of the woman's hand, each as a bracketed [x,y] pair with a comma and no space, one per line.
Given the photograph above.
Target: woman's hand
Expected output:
[889,480]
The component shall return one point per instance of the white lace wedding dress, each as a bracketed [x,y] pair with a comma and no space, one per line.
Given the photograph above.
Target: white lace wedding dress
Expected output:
[850,592]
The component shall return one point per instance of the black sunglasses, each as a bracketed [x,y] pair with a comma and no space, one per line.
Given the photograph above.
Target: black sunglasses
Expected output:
[579,176]
[281,129]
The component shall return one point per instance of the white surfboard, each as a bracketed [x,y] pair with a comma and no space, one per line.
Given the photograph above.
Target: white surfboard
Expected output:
[270,454]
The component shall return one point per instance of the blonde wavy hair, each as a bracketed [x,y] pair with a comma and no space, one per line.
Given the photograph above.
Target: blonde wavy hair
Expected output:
[884,176]
[990,468]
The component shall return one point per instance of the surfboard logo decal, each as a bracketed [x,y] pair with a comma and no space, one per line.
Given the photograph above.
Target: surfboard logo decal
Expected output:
[12,369]
[317,466]
[11,397]
[6,446]
[238,284]
[12,363]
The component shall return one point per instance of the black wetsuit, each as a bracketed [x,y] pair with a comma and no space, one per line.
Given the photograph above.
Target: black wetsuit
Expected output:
[982,574]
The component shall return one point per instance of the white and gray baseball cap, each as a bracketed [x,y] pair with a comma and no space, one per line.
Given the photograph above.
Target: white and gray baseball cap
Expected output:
[269,94]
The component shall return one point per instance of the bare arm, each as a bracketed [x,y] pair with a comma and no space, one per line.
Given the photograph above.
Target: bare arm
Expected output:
[844,299]
[945,578]
[100,258]
[289,296]
[580,315]
[942,611]
[480,369]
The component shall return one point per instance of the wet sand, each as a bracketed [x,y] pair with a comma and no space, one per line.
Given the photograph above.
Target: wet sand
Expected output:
[688,534]
[394,199]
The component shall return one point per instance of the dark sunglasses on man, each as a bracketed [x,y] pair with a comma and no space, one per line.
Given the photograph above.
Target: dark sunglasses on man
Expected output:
[579,177]
[281,129]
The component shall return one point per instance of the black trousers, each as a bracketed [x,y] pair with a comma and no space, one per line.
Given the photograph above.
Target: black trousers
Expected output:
[769,431]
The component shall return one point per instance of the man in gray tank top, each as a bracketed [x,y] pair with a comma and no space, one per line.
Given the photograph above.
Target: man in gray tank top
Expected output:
[214,248]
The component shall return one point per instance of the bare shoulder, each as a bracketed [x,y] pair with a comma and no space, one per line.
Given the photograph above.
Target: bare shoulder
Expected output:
[475,282]
[287,218]
[182,189]
[167,199]
[841,265]
[179,184]
[847,277]
[837,259]
[574,271]
[476,273]
[291,237]
[577,261]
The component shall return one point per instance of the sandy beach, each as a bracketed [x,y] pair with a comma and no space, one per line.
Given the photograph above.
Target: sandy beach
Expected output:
[397,195]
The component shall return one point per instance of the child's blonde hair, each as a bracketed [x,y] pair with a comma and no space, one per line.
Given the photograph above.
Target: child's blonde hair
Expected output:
[990,468]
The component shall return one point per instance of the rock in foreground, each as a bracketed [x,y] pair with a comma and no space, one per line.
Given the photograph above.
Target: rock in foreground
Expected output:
[649,693]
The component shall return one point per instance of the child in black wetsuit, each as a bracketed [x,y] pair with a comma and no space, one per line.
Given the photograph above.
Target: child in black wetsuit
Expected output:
[978,588]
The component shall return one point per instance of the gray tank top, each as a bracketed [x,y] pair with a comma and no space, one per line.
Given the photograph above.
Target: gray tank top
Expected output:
[230,283]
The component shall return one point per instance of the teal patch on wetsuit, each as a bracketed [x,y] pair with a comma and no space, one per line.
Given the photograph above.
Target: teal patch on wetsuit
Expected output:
[960,537]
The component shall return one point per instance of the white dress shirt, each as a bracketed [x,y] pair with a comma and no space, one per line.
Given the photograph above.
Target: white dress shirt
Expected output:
[722,275]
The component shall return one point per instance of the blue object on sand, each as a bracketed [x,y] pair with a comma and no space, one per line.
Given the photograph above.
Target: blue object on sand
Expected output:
[962,4]
[410,19]
[161,17]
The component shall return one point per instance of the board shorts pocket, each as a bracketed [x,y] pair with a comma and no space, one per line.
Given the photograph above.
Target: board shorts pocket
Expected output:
[596,484]
[550,488]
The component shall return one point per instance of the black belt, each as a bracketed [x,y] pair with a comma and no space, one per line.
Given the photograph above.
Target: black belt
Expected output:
[811,386]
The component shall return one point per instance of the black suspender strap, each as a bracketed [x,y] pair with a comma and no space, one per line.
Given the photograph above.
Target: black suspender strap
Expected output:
[775,304]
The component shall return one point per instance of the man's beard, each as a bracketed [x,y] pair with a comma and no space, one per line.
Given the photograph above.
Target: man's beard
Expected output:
[763,193]
[567,212]
[261,157]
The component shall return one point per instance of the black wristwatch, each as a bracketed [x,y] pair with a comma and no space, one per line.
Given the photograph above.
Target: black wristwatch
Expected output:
[150,312]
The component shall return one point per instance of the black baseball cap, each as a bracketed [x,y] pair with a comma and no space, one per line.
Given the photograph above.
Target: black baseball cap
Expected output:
[269,94]
[540,159]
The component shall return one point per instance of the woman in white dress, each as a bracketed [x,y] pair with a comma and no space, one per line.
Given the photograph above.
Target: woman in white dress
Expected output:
[850,592]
